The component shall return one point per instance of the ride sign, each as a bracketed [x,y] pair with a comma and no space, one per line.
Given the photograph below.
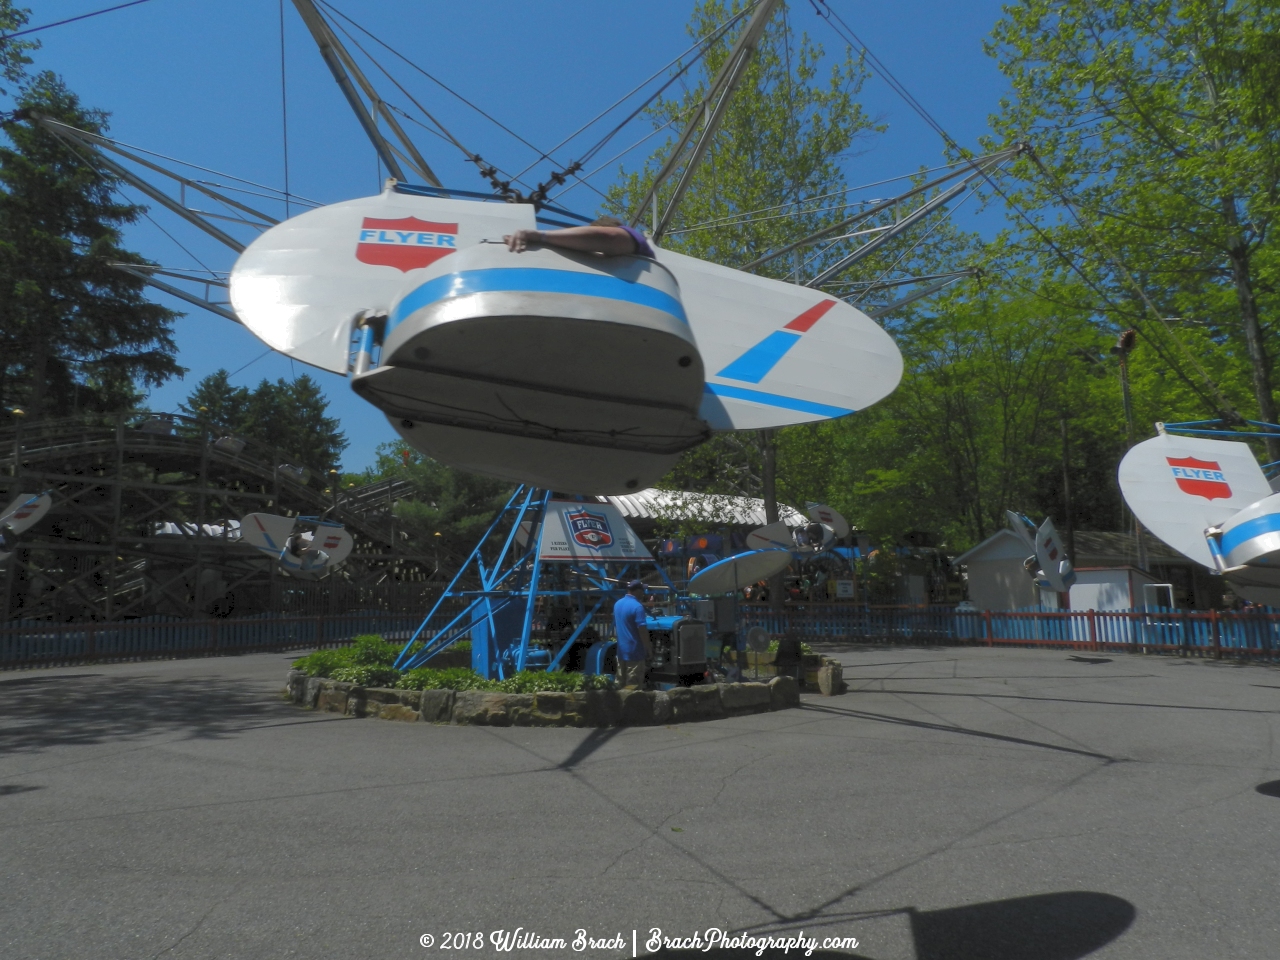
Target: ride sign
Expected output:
[406,244]
[1200,478]
[578,530]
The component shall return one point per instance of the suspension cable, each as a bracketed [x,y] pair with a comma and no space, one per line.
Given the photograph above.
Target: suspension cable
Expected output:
[1221,402]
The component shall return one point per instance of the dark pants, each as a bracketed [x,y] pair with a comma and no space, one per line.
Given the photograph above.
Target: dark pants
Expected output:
[631,673]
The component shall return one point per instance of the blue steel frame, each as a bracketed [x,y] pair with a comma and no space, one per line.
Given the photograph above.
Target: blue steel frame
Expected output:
[1221,428]
[514,577]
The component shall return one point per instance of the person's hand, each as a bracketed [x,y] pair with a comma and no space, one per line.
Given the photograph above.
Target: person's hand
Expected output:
[519,241]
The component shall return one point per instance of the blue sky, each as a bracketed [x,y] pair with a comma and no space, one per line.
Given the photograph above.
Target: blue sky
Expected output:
[201,82]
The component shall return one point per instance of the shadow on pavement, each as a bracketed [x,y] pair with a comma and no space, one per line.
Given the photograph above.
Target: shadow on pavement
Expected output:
[1269,789]
[592,742]
[753,955]
[1050,926]
[9,789]
[37,713]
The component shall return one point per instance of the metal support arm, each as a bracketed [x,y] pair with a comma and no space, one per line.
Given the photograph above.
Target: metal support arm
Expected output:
[344,68]
[712,110]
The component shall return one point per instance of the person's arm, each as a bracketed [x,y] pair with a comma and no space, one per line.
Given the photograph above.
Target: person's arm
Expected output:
[611,241]
[642,630]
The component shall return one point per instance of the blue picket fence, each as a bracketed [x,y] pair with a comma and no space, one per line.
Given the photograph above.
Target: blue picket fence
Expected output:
[1253,632]
[1250,633]
[40,643]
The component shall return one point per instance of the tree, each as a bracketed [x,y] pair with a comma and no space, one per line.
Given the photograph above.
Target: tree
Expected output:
[287,415]
[767,178]
[13,53]
[455,505]
[75,332]
[1159,122]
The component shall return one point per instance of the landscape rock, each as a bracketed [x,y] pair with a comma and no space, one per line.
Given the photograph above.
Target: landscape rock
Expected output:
[396,711]
[740,698]
[484,708]
[661,706]
[589,708]
[311,691]
[831,678]
[783,692]
[556,709]
[603,708]
[695,703]
[295,686]
[332,697]
[437,705]
[356,705]
[636,708]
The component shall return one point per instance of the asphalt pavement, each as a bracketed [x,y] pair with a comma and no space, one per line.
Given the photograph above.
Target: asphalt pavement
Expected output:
[955,804]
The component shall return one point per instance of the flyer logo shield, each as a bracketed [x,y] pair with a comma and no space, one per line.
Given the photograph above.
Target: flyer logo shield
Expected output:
[589,529]
[1200,478]
[406,244]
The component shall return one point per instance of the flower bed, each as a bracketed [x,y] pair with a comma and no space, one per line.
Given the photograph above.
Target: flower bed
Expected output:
[543,708]
[360,681]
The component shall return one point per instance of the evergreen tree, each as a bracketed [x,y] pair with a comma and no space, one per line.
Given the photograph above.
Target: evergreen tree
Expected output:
[288,415]
[75,332]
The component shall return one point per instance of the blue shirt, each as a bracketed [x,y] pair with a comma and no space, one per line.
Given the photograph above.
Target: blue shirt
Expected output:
[628,618]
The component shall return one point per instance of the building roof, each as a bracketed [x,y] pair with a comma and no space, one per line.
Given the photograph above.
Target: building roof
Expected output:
[655,504]
[1004,544]
[1100,549]
[1092,549]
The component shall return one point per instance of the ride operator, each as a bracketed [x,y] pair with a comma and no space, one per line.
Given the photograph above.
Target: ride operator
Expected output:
[634,648]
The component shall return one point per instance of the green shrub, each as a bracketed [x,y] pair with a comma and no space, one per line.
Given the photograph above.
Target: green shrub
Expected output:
[367,676]
[534,681]
[529,681]
[804,647]
[370,650]
[322,663]
[450,678]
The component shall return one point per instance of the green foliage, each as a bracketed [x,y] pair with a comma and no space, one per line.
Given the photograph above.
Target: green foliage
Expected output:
[288,415]
[459,506]
[76,333]
[531,681]
[790,122]
[528,681]
[322,663]
[371,650]
[367,662]
[368,652]
[367,676]
[1158,118]
[451,678]
[775,644]
[1161,118]
[13,53]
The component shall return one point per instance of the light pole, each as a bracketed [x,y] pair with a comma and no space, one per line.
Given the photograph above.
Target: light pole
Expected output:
[1124,345]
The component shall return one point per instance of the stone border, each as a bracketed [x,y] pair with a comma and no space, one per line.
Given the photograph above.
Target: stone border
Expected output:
[588,708]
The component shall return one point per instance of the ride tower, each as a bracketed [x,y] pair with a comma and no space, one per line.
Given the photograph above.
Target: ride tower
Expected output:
[532,592]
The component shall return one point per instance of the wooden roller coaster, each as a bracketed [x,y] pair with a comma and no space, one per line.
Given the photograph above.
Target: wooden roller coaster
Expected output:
[142,525]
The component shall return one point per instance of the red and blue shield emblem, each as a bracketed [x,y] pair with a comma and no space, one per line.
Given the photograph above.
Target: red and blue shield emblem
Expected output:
[589,529]
[406,244]
[1200,478]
